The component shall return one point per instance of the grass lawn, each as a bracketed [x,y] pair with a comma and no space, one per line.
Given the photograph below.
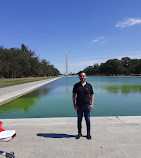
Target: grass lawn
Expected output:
[15,81]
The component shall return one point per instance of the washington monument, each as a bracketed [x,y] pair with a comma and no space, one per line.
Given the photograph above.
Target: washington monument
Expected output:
[66,64]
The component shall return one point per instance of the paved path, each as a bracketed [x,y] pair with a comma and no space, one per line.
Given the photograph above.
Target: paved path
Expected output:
[112,137]
[12,92]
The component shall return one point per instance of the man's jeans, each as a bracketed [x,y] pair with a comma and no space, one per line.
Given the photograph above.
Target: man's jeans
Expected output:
[86,112]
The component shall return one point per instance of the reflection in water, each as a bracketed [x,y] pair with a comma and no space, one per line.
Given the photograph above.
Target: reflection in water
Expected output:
[67,86]
[124,88]
[18,104]
[55,99]
[67,90]
[25,102]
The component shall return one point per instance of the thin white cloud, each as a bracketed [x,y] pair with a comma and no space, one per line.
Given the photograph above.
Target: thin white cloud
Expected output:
[80,64]
[97,40]
[130,56]
[128,22]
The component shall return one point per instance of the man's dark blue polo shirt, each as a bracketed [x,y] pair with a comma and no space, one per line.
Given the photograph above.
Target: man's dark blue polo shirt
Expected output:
[83,94]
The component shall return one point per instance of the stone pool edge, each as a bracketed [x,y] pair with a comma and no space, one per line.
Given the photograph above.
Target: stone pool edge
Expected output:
[10,93]
[112,137]
[71,120]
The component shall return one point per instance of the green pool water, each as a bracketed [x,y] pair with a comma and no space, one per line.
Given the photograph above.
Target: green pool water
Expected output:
[114,96]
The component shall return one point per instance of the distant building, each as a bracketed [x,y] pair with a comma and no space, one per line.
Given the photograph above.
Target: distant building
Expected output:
[66,64]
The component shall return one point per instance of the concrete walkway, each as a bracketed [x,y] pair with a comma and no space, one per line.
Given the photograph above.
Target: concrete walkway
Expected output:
[112,137]
[9,93]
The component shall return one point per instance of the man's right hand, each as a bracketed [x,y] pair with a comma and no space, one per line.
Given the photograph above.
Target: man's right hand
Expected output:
[75,107]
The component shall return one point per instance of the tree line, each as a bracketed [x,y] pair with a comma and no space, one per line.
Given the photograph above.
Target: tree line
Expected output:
[125,66]
[17,63]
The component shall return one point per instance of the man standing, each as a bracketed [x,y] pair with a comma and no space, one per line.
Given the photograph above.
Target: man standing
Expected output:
[83,103]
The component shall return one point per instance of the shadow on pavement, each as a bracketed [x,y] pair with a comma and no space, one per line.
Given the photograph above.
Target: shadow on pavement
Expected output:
[55,135]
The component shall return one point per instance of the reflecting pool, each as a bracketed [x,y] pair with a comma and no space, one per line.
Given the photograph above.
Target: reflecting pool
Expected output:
[114,96]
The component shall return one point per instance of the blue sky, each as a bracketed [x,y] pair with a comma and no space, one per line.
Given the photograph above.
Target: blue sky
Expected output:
[90,31]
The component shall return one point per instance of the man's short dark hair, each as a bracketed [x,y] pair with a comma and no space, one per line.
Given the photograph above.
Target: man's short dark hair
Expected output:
[81,72]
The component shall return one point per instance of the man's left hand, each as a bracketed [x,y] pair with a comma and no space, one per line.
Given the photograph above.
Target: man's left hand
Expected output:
[90,107]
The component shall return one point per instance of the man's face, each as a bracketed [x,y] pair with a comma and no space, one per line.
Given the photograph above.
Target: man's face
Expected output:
[82,77]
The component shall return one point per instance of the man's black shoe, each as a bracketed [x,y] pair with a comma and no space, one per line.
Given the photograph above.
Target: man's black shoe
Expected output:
[78,136]
[89,136]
